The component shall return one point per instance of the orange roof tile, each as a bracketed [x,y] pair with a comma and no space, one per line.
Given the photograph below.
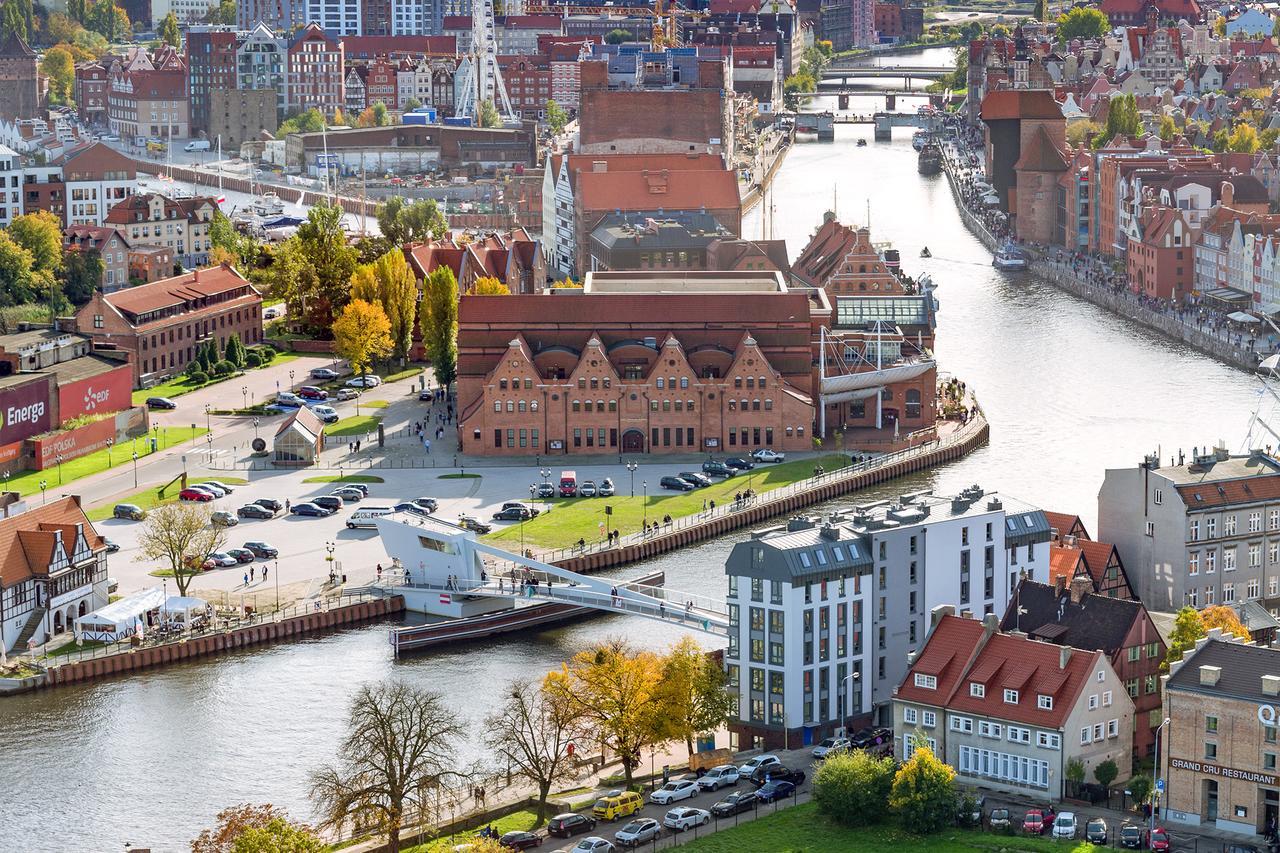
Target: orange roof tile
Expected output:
[652,189]
[26,540]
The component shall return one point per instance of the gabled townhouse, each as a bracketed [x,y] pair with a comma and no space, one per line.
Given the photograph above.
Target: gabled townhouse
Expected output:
[1009,712]
[316,70]
[180,225]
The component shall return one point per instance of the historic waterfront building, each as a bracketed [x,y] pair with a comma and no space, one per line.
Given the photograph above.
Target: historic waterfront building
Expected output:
[825,613]
[19,79]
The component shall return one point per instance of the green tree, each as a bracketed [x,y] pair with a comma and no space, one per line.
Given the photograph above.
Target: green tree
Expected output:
[1168,130]
[380,116]
[311,121]
[557,118]
[181,535]
[489,116]
[225,13]
[1140,787]
[1106,772]
[81,275]
[1122,120]
[1267,139]
[853,787]
[404,221]
[108,20]
[40,233]
[1082,23]
[1243,140]
[1039,14]
[1074,770]
[248,828]
[412,104]
[223,235]
[361,334]
[617,36]
[1221,140]
[16,286]
[169,32]
[1078,132]
[234,351]
[532,730]
[13,21]
[60,69]
[923,792]
[694,697]
[1187,628]
[389,282]
[439,318]
[331,261]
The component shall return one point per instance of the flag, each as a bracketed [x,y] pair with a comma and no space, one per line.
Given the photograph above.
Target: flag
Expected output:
[221,199]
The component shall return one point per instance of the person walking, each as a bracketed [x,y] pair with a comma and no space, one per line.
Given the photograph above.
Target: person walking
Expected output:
[264,574]
[252,572]
[246,578]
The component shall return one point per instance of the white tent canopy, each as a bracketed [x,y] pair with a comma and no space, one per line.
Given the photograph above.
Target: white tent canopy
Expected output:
[124,617]
[1241,317]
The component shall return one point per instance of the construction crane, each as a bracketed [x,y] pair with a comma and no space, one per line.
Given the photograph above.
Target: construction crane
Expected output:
[481,76]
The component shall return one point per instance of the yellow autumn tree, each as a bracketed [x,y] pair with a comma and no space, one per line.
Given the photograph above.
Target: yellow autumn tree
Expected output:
[362,334]
[490,286]
[388,282]
[1224,617]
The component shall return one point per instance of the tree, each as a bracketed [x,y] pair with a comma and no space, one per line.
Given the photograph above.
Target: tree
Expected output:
[361,334]
[1267,139]
[365,119]
[614,689]
[390,283]
[1106,772]
[1168,130]
[1039,13]
[168,30]
[108,20]
[852,787]
[438,314]
[183,536]
[241,248]
[489,286]
[1140,787]
[60,68]
[12,19]
[330,262]
[412,104]
[557,118]
[1223,617]
[617,36]
[225,13]
[923,791]
[399,745]
[16,286]
[311,121]
[81,274]
[533,730]
[1243,140]
[1078,132]
[1187,628]
[694,696]
[1074,770]
[248,828]
[40,233]
[61,28]
[1082,23]
[1221,140]
[489,116]
[404,221]
[234,351]
[380,116]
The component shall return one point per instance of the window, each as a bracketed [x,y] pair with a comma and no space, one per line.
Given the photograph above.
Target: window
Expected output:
[1193,563]
[909,716]
[962,724]
[1085,737]
[977,690]
[1211,724]
[987,729]
[1010,697]
[1159,497]
[1017,734]
[1048,740]
[1093,701]
[1210,751]
[928,682]
[1106,699]
[1113,728]
[1045,703]
[1151,528]
[929,719]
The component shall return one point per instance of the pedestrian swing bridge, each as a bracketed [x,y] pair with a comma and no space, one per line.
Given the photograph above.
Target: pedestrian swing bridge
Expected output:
[445,570]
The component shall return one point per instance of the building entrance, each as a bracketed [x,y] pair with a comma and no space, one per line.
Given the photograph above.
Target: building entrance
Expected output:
[633,441]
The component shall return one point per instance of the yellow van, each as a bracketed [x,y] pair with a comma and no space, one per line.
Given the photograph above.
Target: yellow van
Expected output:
[617,804]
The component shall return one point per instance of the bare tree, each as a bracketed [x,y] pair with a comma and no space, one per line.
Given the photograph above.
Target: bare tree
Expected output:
[183,535]
[399,744]
[533,730]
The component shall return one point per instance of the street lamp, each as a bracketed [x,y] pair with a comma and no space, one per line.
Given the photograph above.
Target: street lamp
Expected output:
[856,676]
[644,484]
[208,424]
[255,427]
[1159,775]
[244,392]
[276,572]
[329,546]
[135,469]
[209,441]
[110,441]
[44,496]
[59,469]
[290,380]
[631,469]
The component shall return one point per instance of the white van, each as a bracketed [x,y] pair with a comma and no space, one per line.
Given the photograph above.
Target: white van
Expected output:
[366,515]
[196,145]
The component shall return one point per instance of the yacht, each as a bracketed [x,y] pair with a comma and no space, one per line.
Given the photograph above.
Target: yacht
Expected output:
[1009,257]
[919,139]
[268,204]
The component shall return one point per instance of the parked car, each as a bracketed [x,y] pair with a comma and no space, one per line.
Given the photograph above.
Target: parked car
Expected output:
[764,454]
[716,778]
[736,803]
[311,509]
[326,414]
[112,547]
[346,394]
[999,819]
[469,522]
[1095,831]
[546,490]
[606,488]
[261,549]
[699,480]
[520,840]
[570,824]
[1131,836]
[369,381]
[362,488]
[513,513]
[1158,840]
[716,468]
[113,586]
[737,462]
[674,791]
[242,555]
[758,761]
[427,505]
[771,791]
[587,489]
[223,560]
[676,484]
[132,512]
[1064,825]
[218,491]
[774,773]
[329,502]
[270,503]
[639,831]
[1038,822]
[220,485]
[161,403]
[254,511]
[324,373]
[593,844]
[222,518]
[288,398]
[870,738]
[311,392]
[685,817]
[831,745]
[348,495]
[199,495]
[533,510]
[617,804]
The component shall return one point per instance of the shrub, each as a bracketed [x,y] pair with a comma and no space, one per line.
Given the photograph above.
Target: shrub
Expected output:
[853,787]
[252,359]
[923,792]
[224,368]
[198,377]
[264,353]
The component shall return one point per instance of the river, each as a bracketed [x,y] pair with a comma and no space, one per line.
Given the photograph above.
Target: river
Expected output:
[1069,389]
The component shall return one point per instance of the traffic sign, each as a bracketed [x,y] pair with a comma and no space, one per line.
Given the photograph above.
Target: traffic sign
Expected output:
[1160,785]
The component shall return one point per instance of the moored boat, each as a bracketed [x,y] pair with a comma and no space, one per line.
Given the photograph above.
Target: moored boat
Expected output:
[1009,257]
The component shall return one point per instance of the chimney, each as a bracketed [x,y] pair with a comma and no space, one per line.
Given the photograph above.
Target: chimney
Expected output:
[1064,655]
[1271,685]
[1228,193]
[1209,675]
[196,277]
[935,615]
[1059,585]
[990,624]
[1080,587]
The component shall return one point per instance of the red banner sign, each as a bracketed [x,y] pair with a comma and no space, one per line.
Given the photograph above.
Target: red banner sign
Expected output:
[97,395]
[25,411]
[72,443]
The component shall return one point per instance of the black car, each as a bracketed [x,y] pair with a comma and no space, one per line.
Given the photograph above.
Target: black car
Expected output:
[699,480]
[133,512]
[161,403]
[519,840]
[1095,831]
[717,469]
[676,484]
[775,773]
[546,490]
[270,503]
[513,513]
[1131,836]
[311,509]
[261,549]
[570,824]
[112,547]
[736,803]
[244,555]
[739,463]
[774,791]
[871,738]
[255,511]
[329,502]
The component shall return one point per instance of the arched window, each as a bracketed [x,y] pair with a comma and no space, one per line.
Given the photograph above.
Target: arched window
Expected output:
[768,405]
[497,405]
[733,405]
[533,406]
[577,406]
[661,383]
[511,405]
[751,382]
[684,381]
[755,405]
[761,382]
[523,406]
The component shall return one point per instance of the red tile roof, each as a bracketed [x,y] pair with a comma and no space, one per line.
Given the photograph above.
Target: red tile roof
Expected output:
[1020,104]
[1064,523]
[176,290]
[1063,563]
[26,540]
[652,189]
[946,657]
[1226,492]
[1041,155]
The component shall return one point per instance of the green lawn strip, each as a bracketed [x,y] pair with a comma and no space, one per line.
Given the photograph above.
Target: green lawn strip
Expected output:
[178,385]
[802,829]
[70,646]
[521,820]
[100,460]
[147,499]
[375,404]
[579,518]
[354,425]
[458,477]
[349,478]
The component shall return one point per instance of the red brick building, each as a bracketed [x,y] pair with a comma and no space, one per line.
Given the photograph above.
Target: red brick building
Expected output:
[528,79]
[91,92]
[1161,254]
[380,84]
[316,71]
[888,20]
[163,323]
[626,365]
[515,259]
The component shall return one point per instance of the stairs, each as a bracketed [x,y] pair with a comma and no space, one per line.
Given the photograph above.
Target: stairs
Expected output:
[29,630]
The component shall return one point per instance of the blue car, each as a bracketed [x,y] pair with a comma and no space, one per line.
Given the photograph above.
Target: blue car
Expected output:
[772,791]
[311,509]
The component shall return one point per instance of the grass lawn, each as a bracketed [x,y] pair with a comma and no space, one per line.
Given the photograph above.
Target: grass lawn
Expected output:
[150,498]
[800,829]
[376,404]
[579,518]
[92,463]
[458,477]
[522,820]
[70,646]
[354,425]
[349,478]
[178,385]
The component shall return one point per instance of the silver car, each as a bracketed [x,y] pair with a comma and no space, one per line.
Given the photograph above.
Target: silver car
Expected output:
[639,831]
[719,777]
[606,488]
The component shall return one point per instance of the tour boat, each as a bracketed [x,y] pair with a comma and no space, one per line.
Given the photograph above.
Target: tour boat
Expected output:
[919,139]
[929,160]
[1009,257]
[268,204]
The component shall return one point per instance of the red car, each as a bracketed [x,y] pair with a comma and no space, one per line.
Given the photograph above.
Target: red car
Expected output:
[194,495]
[1038,822]
[1158,840]
[311,392]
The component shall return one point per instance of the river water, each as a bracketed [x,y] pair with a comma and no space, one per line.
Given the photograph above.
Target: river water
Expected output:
[1069,389]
